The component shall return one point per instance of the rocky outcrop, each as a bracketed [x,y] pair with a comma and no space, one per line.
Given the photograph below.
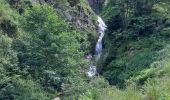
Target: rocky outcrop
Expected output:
[79,16]
[75,12]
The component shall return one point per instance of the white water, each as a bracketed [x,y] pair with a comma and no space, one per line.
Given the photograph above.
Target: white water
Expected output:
[101,29]
[92,71]
[98,49]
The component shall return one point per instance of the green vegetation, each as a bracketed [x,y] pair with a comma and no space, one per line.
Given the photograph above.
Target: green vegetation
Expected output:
[39,52]
[43,44]
[135,35]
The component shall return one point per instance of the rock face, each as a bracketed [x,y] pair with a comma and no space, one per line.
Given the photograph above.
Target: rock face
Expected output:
[76,12]
[81,17]
[96,5]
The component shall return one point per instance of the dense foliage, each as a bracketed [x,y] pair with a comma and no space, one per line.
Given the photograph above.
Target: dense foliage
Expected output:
[136,31]
[39,52]
[43,44]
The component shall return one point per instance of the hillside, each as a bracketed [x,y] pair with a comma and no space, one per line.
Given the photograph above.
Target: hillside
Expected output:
[84,50]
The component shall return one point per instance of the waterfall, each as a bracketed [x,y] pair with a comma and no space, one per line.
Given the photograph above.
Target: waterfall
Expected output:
[101,29]
[98,49]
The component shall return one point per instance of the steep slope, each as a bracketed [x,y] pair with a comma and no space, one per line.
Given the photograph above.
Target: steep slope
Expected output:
[81,17]
[43,43]
[77,13]
[44,46]
[135,34]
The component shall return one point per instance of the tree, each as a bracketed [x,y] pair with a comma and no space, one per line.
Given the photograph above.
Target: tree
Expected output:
[48,47]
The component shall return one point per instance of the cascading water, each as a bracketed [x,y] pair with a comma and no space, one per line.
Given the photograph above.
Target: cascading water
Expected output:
[98,49]
[101,29]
